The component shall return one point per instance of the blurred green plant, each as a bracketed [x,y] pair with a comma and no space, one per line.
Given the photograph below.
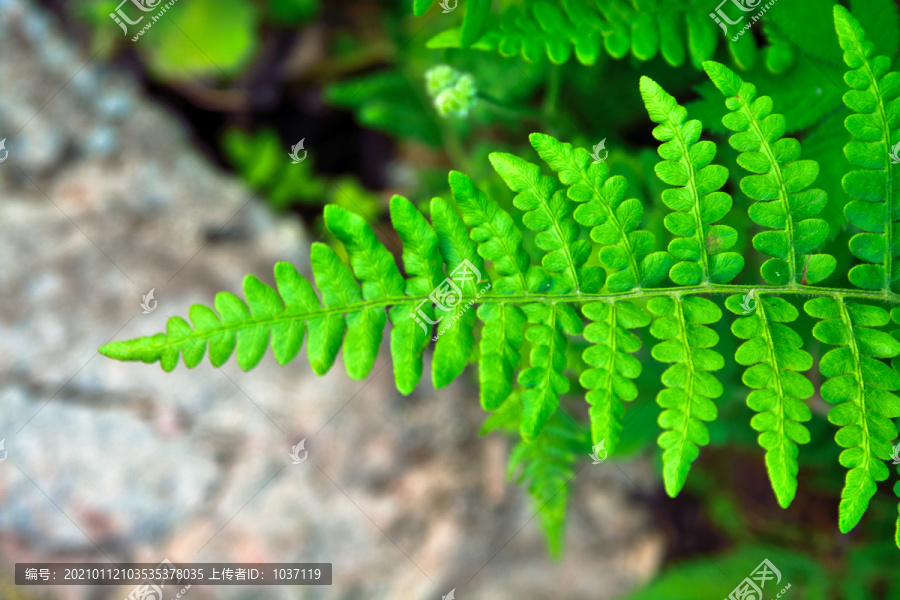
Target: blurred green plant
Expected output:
[195,39]
[263,162]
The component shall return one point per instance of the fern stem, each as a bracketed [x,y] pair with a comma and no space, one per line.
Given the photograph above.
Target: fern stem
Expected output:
[810,291]
[517,112]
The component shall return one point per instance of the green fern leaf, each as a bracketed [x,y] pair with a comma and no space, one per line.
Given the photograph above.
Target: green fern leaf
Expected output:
[691,389]
[778,184]
[478,257]
[547,465]
[548,212]
[537,30]
[860,387]
[420,7]
[499,241]
[474,21]
[423,264]
[775,358]
[456,337]
[873,96]
[380,279]
[498,238]
[626,255]
[614,366]
[543,381]
[698,246]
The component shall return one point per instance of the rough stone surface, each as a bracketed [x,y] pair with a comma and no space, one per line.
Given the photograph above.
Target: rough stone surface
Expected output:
[104,198]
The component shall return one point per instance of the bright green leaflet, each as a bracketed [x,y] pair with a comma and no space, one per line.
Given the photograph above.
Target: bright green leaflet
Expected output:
[779,184]
[873,97]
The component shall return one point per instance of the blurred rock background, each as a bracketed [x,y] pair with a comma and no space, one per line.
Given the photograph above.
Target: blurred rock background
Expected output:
[105,196]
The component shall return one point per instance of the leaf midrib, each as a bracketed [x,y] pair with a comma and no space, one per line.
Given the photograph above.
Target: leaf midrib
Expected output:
[809,291]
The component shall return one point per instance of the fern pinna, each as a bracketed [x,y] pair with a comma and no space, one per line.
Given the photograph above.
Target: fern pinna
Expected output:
[599,277]
[583,29]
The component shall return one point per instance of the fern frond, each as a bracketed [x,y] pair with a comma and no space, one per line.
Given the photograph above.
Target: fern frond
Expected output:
[775,357]
[699,246]
[860,387]
[547,465]
[478,256]
[543,381]
[536,29]
[779,184]
[873,97]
